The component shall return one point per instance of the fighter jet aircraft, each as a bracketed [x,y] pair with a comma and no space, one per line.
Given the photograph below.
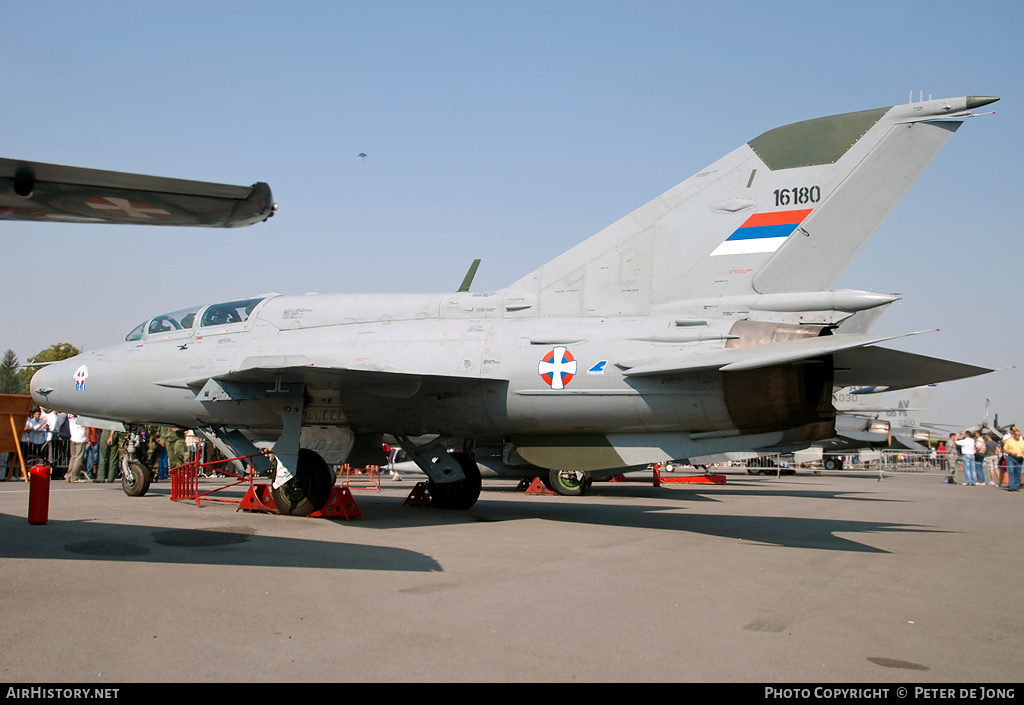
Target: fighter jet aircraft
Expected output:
[700,323]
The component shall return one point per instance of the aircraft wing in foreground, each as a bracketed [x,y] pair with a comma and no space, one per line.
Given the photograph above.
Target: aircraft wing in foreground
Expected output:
[53,192]
[701,323]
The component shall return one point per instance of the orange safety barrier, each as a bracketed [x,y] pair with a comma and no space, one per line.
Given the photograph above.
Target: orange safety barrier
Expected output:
[185,479]
[368,479]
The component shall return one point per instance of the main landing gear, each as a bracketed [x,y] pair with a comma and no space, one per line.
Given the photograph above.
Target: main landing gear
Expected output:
[454,478]
[309,489]
[569,483]
[461,494]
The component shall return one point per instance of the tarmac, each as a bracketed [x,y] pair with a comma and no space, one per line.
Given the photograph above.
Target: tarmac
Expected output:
[837,578]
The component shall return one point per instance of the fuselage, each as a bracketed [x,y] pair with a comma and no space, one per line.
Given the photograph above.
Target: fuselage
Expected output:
[450,364]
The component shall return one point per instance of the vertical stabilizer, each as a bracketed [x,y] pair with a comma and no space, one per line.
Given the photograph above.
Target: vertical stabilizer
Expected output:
[786,212]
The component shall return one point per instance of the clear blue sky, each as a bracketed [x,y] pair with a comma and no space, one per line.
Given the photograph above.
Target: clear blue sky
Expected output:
[508,131]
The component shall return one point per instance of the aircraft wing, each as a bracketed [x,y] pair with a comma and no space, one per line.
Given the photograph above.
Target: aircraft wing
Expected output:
[897,370]
[755,356]
[257,374]
[857,362]
[53,192]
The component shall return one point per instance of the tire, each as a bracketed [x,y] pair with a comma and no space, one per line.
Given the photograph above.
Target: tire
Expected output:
[309,490]
[568,483]
[753,471]
[832,464]
[461,494]
[138,484]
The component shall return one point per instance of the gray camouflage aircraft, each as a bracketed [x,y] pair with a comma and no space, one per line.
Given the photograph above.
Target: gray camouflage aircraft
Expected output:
[701,323]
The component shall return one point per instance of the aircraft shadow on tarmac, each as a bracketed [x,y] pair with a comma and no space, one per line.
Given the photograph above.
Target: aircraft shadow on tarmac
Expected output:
[786,531]
[670,515]
[96,540]
[243,545]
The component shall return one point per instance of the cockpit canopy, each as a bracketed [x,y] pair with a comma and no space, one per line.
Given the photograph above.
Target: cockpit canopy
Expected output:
[185,319]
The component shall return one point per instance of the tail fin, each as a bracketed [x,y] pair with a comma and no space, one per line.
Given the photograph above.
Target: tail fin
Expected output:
[901,411]
[786,212]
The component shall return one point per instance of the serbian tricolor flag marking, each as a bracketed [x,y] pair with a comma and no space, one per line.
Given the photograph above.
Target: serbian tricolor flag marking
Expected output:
[762,232]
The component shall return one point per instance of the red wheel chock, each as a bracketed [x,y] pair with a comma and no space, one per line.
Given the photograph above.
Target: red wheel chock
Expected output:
[700,479]
[418,497]
[340,504]
[537,487]
[258,498]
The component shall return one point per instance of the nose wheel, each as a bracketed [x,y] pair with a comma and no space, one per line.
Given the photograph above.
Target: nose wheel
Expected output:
[135,478]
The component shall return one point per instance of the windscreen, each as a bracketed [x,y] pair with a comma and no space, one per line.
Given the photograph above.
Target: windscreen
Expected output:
[230,312]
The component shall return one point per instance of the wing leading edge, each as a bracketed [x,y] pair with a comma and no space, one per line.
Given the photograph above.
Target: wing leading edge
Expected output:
[53,192]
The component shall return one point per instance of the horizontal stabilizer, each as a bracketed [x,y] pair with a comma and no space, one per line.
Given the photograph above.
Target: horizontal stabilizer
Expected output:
[756,356]
[897,370]
[53,192]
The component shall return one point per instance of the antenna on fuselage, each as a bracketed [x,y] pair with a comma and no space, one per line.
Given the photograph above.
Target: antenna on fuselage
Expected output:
[469,276]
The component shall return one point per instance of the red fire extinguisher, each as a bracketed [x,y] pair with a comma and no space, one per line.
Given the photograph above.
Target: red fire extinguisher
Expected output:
[38,494]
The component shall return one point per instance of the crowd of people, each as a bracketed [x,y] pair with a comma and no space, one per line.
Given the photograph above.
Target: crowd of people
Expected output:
[991,458]
[93,454]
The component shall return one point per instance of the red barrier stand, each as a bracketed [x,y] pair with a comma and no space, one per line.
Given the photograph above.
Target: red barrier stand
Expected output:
[706,478]
[38,494]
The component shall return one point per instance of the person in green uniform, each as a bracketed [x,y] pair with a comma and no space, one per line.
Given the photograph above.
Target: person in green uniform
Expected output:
[173,440]
[109,464]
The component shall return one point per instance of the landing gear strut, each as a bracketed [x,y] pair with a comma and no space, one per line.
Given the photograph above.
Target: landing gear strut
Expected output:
[135,476]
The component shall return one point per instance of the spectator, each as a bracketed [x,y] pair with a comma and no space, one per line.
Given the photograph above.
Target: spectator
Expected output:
[78,438]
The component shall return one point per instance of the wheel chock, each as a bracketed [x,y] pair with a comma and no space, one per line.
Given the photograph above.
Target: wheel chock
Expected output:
[537,487]
[258,499]
[697,479]
[618,478]
[418,497]
[340,504]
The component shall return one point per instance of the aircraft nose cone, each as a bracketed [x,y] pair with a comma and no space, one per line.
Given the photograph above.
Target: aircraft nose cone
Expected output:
[44,384]
[53,385]
[976,101]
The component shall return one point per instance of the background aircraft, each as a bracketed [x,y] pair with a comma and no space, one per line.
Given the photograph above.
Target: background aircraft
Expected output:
[700,323]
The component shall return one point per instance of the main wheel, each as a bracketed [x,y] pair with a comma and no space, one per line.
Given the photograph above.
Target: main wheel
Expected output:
[135,479]
[461,494]
[309,490]
[569,482]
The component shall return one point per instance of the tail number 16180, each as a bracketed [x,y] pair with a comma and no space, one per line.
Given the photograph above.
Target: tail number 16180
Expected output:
[798,195]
